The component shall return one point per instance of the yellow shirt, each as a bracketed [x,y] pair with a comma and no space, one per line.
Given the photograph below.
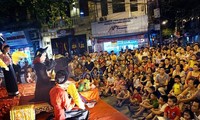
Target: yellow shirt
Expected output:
[113,57]
[177,88]
[191,63]
[75,95]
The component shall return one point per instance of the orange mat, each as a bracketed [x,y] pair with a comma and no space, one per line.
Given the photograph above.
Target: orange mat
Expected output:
[25,89]
[101,111]
[91,94]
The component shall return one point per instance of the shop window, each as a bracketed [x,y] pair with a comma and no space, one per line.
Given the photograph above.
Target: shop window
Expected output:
[104,7]
[134,5]
[118,6]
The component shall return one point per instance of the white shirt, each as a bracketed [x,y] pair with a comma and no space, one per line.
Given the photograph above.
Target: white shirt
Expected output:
[162,108]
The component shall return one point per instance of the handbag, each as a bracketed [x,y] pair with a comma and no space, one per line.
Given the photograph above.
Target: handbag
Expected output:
[77,114]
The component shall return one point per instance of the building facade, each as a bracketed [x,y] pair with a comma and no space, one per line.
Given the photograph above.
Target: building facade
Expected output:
[120,25]
[107,24]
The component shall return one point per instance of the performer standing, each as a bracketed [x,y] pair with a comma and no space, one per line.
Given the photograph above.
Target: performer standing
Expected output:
[9,76]
[43,83]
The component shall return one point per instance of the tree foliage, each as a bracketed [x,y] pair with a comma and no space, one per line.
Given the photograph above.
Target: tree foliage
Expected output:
[167,32]
[49,13]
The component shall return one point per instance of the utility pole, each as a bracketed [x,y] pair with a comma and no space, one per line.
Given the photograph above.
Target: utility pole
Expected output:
[158,7]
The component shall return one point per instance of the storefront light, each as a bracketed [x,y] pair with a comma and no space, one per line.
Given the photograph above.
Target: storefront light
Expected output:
[164,22]
[184,20]
[81,13]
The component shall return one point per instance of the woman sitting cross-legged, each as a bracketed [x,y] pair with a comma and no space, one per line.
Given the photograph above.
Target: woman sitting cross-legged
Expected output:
[62,102]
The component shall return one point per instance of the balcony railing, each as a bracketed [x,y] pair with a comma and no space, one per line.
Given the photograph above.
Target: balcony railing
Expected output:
[82,21]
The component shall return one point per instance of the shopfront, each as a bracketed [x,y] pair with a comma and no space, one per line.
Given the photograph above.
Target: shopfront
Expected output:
[22,41]
[72,44]
[121,34]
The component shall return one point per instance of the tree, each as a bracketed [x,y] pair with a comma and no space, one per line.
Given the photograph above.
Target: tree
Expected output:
[178,10]
[48,13]
[167,32]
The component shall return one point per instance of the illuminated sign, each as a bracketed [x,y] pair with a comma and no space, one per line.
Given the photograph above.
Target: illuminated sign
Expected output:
[15,38]
[120,26]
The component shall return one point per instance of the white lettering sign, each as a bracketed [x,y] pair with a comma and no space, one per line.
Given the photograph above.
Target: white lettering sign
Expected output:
[120,26]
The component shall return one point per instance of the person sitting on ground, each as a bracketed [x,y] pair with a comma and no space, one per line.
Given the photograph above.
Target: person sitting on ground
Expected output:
[136,81]
[195,73]
[187,115]
[103,88]
[148,83]
[160,111]
[117,86]
[151,90]
[62,102]
[86,84]
[123,95]
[179,71]
[188,94]
[162,80]
[89,65]
[192,61]
[172,111]
[135,100]
[78,71]
[147,105]
[30,76]
[109,83]
[177,87]
[195,108]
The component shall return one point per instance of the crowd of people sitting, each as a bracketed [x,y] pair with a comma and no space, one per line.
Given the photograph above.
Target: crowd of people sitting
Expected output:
[156,82]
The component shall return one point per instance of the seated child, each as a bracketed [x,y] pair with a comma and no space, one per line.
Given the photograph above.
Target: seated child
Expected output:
[136,81]
[117,86]
[148,83]
[109,83]
[172,111]
[30,75]
[177,87]
[123,95]
[103,85]
[152,103]
[135,100]
[160,111]
[86,84]
[187,115]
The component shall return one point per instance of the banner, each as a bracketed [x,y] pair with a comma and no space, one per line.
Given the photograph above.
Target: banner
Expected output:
[34,34]
[15,38]
[120,26]
[65,32]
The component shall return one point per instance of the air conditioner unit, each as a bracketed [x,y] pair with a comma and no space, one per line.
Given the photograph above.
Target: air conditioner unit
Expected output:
[101,19]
